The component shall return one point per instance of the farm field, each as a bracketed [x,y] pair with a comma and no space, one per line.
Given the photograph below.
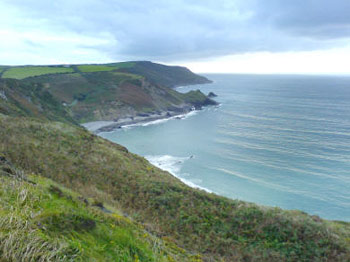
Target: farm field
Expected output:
[31,71]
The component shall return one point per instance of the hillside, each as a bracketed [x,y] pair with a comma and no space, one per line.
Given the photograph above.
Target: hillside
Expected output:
[74,196]
[169,76]
[115,91]
[216,227]
[43,221]
[18,98]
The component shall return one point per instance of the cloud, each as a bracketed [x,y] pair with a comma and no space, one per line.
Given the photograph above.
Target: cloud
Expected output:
[318,19]
[180,30]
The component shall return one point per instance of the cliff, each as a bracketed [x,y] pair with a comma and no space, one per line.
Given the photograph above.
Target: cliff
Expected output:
[114,91]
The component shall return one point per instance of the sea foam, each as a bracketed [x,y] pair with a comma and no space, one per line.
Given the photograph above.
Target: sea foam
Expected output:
[173,165]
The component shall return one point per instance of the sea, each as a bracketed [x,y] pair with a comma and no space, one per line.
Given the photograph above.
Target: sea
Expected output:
[275,140]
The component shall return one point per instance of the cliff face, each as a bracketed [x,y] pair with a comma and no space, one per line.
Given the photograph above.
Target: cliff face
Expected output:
[114,91]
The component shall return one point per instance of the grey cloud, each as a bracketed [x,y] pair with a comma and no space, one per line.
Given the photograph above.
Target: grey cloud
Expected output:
[312,18]
[180,30]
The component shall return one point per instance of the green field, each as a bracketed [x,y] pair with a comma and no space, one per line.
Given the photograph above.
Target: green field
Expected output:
[30,71]
[127,75]
[104,67]
[94,68]
[2,69]
[123,65]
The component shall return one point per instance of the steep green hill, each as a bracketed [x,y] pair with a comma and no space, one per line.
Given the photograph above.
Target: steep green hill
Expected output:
[216,227]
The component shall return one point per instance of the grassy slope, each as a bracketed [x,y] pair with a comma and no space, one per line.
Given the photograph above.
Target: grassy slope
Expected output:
[29,99]
[104,67]
[214,226]
[42,221]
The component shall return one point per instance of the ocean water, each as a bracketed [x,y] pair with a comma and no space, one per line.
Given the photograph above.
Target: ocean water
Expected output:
[275,140]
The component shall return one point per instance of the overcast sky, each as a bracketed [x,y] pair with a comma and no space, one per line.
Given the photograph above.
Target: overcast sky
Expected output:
[259,36]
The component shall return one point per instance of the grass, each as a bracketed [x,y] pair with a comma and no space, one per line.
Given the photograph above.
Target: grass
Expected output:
[31,71]
[104,67]
[169,76]
[216,227]
[127,75]
[42,221]
[122,65]
[94,68]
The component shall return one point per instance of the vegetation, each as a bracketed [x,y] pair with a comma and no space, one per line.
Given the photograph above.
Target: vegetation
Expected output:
[169,76]
[125,209]
[108,95]
[42,221]
[104,67]
[124,65]
[197,98]
[31,71]
[94,68]
[216,227]
[19,98]
[111,91]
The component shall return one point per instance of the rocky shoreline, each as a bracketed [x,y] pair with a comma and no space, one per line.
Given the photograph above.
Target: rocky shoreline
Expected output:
[108,126]
[143,117]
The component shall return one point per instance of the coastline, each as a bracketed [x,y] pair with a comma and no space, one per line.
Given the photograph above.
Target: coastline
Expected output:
[108,126]
[172,165]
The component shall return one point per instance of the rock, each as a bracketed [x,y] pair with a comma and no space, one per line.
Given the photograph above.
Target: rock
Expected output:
[2,160]
[316,219]
[2,95]
[212,94]
[84,200]
[8,169]
[143,114]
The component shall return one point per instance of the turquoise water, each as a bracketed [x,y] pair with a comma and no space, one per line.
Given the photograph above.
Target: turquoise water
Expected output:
[274,140]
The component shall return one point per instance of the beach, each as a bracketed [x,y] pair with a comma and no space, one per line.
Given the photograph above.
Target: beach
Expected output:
[108,126]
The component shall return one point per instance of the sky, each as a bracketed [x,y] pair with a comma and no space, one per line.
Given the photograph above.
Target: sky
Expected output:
[220,36]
